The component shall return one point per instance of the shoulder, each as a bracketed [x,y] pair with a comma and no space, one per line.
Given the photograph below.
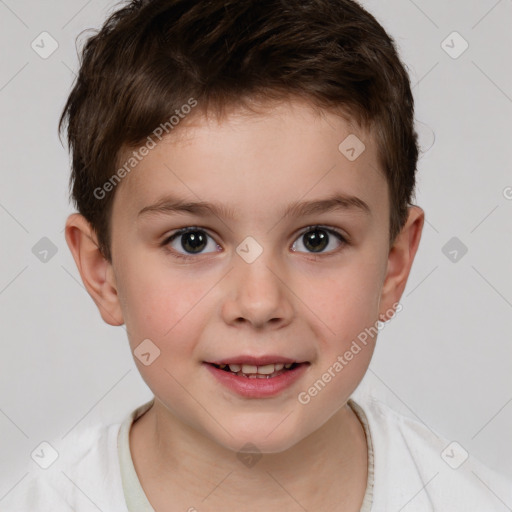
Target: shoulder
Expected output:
[72,474]
[415,465]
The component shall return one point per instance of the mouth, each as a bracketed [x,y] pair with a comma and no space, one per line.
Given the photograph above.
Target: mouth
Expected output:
[252,371]
[264,380]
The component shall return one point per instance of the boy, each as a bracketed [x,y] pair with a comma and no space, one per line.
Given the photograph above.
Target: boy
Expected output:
[243,172]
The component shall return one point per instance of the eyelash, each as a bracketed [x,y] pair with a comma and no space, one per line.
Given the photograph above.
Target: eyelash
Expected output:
[341,238]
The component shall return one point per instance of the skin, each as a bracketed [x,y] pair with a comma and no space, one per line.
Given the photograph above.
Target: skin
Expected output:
[295,303]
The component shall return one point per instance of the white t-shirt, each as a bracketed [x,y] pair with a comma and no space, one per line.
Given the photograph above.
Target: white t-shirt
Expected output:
[409,469]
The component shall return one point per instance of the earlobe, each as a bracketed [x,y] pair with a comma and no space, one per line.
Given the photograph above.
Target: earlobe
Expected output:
[400,259]
[95,270]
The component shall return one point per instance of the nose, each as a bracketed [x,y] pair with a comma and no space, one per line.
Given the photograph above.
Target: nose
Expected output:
[257,294]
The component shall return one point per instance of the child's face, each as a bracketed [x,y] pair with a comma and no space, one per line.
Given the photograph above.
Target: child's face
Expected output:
[218,303]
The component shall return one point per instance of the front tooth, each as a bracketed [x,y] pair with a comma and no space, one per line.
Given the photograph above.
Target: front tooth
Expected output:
[250,369]
[268,369]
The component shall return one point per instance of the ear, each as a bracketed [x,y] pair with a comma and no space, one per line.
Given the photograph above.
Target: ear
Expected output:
[96,272]
[400,258]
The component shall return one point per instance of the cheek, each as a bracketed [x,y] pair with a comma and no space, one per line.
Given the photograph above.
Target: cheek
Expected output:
[158,303]
[345,300]
[166,310]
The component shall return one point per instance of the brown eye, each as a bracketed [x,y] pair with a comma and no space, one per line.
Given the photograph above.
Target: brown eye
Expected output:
[317,238]
[193,241]
[190,241]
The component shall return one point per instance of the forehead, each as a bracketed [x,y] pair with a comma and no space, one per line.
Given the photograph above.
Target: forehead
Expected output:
[249,161]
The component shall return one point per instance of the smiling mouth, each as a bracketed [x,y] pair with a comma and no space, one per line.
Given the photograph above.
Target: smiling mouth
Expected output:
[250,371]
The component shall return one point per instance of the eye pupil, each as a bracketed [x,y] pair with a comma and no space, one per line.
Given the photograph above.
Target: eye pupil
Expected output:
[316,240]
[193,241]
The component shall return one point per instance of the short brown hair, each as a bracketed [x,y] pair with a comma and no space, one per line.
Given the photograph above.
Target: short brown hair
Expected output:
[151,56]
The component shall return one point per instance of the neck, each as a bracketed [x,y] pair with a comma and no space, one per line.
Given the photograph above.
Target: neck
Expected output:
[176,463]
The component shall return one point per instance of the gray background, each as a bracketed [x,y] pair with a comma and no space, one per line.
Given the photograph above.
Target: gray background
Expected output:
[446,359]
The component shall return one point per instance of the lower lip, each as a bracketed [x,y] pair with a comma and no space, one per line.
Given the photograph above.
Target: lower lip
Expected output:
[258,388]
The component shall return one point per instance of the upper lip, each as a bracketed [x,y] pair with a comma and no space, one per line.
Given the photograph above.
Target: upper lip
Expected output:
[255,360]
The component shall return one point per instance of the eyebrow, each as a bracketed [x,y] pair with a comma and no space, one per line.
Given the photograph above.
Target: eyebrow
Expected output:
[338,202]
